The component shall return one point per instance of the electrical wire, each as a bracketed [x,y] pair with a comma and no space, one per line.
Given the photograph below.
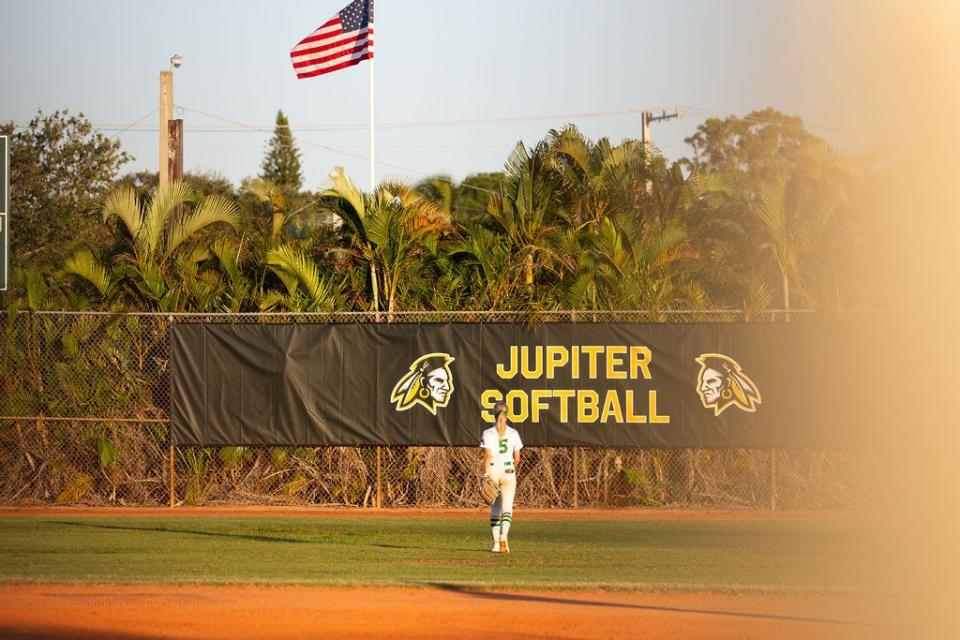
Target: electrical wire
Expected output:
[133,124]
[306,142]
[232,126]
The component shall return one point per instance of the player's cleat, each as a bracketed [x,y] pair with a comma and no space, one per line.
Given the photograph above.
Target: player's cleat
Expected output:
[504,547]
[496,547]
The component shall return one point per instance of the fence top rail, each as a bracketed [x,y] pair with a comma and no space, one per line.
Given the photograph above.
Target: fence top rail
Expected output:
[480,315]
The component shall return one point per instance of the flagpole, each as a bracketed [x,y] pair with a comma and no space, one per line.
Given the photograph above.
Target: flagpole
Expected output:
[373,182]
[373,185]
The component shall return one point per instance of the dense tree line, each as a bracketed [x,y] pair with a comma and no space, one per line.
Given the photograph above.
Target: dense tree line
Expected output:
[762,214]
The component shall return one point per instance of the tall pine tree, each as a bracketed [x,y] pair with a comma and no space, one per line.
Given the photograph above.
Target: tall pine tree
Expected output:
[281,165]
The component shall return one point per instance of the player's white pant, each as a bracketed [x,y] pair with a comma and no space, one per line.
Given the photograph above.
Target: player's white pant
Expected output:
[501,511]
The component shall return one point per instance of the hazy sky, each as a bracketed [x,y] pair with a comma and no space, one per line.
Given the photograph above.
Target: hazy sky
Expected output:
[437,61]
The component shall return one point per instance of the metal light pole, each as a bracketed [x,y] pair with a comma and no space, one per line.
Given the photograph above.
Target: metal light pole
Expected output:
[166,115]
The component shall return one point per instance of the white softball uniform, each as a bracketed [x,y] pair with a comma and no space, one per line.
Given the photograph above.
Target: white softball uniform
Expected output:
[502,470]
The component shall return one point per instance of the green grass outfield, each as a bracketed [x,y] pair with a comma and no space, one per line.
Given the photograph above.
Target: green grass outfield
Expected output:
[749,555]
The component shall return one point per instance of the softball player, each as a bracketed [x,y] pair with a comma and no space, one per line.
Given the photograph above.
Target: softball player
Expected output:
[501,458]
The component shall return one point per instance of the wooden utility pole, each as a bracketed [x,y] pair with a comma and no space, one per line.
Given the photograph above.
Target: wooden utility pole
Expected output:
[166,115]
[647,119]
[645,135]
[175,150]
[175,155]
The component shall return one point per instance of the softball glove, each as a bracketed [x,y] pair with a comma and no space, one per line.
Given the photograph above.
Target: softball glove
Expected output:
[489,490]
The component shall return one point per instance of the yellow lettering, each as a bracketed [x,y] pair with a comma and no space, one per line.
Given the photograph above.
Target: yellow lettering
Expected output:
[514,413]
[556,358]
[614,360]
[538,403]
[489,398]
[592,353]
[654,418]
[611,408]
[564,395]
[587,409]
[633,418]
[575,363]
[640,361]
[534,372]
[507,374]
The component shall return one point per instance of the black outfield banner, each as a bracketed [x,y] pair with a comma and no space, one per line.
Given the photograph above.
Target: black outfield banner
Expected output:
[604,385]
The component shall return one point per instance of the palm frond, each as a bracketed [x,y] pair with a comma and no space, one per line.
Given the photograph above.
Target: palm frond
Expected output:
[771,209]
[124,204]
[273,300]
[344,189]
[161,207]
[285,260]
[34,286]
[84,265]
[228,253]
[214,208]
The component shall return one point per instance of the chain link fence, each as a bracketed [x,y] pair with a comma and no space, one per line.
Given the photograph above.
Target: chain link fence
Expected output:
[83,420]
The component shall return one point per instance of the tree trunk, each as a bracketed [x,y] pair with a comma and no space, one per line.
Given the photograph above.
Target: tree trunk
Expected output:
[530,275]
[376,288]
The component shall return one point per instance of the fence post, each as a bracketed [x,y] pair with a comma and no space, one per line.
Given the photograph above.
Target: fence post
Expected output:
[773,479]
[172,470]
[173,495]
[606,479]
[576,488]
[379,500]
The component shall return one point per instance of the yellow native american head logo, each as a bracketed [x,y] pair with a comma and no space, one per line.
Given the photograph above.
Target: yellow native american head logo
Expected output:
[722,383]
[429,382]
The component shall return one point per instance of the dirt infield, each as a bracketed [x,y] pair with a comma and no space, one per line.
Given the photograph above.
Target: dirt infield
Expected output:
[435,610]
[452,514]
[162,611]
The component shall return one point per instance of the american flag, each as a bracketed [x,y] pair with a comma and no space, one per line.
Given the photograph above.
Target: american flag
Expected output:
[342,41]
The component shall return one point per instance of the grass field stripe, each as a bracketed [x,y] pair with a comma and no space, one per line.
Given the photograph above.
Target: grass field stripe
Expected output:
[815,555]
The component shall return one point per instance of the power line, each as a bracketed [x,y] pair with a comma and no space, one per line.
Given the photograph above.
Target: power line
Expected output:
[302,141]
[234,126]
[133,124]
[422,124]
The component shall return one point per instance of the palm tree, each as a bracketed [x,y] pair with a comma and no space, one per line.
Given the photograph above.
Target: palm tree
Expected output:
[160,264]
[795,212]
[771,209]
[631,265]
[237,289]
[385,230]
[597,180]
[484,262]
[441,190]
[526,210]
[306,289]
